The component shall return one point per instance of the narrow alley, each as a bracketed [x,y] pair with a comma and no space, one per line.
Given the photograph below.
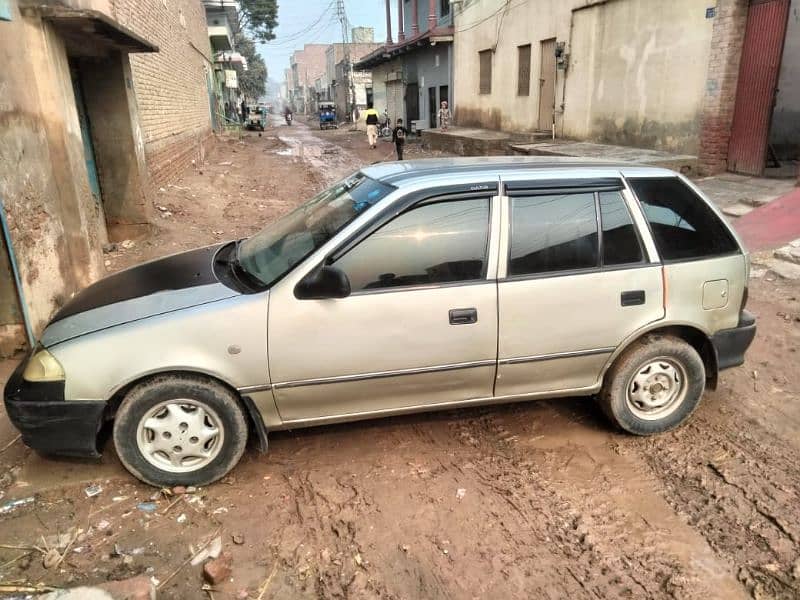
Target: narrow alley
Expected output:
[532,500]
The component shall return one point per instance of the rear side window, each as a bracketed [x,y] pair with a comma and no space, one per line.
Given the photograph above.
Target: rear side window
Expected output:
[620,242]
[553,233]
[684,226]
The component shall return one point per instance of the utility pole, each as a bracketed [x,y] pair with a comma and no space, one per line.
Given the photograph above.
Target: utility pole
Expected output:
[350,88]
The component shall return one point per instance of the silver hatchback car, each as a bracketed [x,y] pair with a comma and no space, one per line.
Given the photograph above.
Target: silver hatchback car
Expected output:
[407,287]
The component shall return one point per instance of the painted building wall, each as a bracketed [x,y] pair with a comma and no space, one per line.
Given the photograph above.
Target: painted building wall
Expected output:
[785,133]
[636,73]
[56,226]
[171,85]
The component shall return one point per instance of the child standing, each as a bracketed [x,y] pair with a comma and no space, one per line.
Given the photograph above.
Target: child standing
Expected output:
[399,138]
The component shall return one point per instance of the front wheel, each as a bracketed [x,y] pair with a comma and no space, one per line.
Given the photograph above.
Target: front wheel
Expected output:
[180,430]
[654,386]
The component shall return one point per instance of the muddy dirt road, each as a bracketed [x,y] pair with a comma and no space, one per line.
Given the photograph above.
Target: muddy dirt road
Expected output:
[534,500]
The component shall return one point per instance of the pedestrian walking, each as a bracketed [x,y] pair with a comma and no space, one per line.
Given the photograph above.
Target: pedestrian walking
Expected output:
[244,111]
[444,116]
[371,116]
[399,138]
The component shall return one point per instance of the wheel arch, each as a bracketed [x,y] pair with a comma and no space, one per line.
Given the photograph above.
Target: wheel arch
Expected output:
[255,422]
[694,336]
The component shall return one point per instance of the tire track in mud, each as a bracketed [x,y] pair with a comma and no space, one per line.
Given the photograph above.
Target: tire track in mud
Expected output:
[598,512]
[740,487]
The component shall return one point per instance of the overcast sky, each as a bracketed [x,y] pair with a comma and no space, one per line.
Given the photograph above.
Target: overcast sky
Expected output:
[295,16]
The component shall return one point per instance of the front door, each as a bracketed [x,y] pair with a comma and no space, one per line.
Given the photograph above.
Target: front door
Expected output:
[759,69]
[547,84]
[86,134]
[412,103]
[418,330]
[433,108]
[575,283]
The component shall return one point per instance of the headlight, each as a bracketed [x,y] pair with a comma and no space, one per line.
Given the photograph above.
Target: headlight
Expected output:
[43,366]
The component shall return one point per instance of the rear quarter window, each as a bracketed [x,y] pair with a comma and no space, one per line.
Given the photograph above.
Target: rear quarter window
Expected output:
[684,227]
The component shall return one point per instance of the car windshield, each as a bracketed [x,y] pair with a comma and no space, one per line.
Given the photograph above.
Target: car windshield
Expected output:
[271,253]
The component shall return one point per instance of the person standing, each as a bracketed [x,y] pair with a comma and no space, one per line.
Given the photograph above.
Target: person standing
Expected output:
[399,138]
[444,116]
[371,116]
[244,111]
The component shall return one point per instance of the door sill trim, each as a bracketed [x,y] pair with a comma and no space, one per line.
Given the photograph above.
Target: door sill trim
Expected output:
[419,408]
[383,374]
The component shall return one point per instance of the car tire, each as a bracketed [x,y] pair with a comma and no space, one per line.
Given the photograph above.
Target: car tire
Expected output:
[180,430]
[654,386]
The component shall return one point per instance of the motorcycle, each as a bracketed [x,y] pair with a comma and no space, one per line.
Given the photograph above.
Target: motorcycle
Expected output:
[288,118]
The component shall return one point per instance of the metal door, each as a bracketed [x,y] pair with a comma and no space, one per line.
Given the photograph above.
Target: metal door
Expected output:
[547,84]
[433,108]
[758,80]
[86,135]
[412,102]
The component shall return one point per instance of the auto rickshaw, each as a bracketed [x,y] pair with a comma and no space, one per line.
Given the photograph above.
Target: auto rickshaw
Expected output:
[256,117]
[327,116]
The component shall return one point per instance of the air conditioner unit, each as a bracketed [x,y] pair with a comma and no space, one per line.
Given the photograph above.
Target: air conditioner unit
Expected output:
[394,76]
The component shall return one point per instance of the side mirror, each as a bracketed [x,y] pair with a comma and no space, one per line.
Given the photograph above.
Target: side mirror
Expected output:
[324,282]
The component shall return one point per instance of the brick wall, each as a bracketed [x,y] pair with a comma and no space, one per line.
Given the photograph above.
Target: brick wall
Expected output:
[723,75]
[170,85]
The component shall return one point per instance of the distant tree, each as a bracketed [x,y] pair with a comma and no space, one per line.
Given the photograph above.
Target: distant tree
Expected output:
[253,82]
[258,18]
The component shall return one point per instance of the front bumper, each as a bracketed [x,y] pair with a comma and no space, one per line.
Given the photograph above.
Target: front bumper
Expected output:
[731,344]
[48,422]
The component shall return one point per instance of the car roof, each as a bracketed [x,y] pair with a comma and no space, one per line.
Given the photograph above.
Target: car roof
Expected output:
[403,172]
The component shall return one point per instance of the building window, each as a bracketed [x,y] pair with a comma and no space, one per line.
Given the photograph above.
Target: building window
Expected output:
[444,8]
[485,57]
[524,70]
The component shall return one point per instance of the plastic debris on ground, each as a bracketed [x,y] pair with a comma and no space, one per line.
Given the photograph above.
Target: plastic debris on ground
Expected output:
[93,490]
[211,551]
[13,505]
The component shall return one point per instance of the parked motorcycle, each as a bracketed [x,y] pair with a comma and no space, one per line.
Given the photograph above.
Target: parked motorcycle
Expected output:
[288,118]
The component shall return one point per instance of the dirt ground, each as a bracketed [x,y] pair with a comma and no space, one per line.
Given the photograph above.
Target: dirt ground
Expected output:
[531,500]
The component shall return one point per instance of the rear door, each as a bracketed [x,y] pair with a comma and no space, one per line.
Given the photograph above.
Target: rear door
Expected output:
[574,281]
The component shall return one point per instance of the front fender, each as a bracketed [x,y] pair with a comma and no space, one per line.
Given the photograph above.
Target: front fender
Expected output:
[225,339]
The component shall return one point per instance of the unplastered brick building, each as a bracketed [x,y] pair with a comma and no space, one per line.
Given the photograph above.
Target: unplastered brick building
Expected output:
[172,85]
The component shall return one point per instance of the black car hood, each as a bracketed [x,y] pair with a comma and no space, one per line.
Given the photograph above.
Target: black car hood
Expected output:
[172,283]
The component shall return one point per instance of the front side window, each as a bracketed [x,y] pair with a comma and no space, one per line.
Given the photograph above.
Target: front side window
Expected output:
[440,242]
[684,227]
[272,252]
[553,233]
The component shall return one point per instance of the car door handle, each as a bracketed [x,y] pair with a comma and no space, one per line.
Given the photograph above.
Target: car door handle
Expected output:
[463,316]
[632,298]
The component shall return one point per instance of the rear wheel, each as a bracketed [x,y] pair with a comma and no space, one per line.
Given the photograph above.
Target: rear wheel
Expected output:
[654,386]
[180,430]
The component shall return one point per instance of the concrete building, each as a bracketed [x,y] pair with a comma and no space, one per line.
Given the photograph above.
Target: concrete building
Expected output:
[222,17]
[307,66]
[337,71]
[411,77]
[645,73]
[100,101]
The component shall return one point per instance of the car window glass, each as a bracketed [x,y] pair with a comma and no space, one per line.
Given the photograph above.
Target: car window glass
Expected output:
[553,233]
[683,225]
[620,243]
[435,243]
